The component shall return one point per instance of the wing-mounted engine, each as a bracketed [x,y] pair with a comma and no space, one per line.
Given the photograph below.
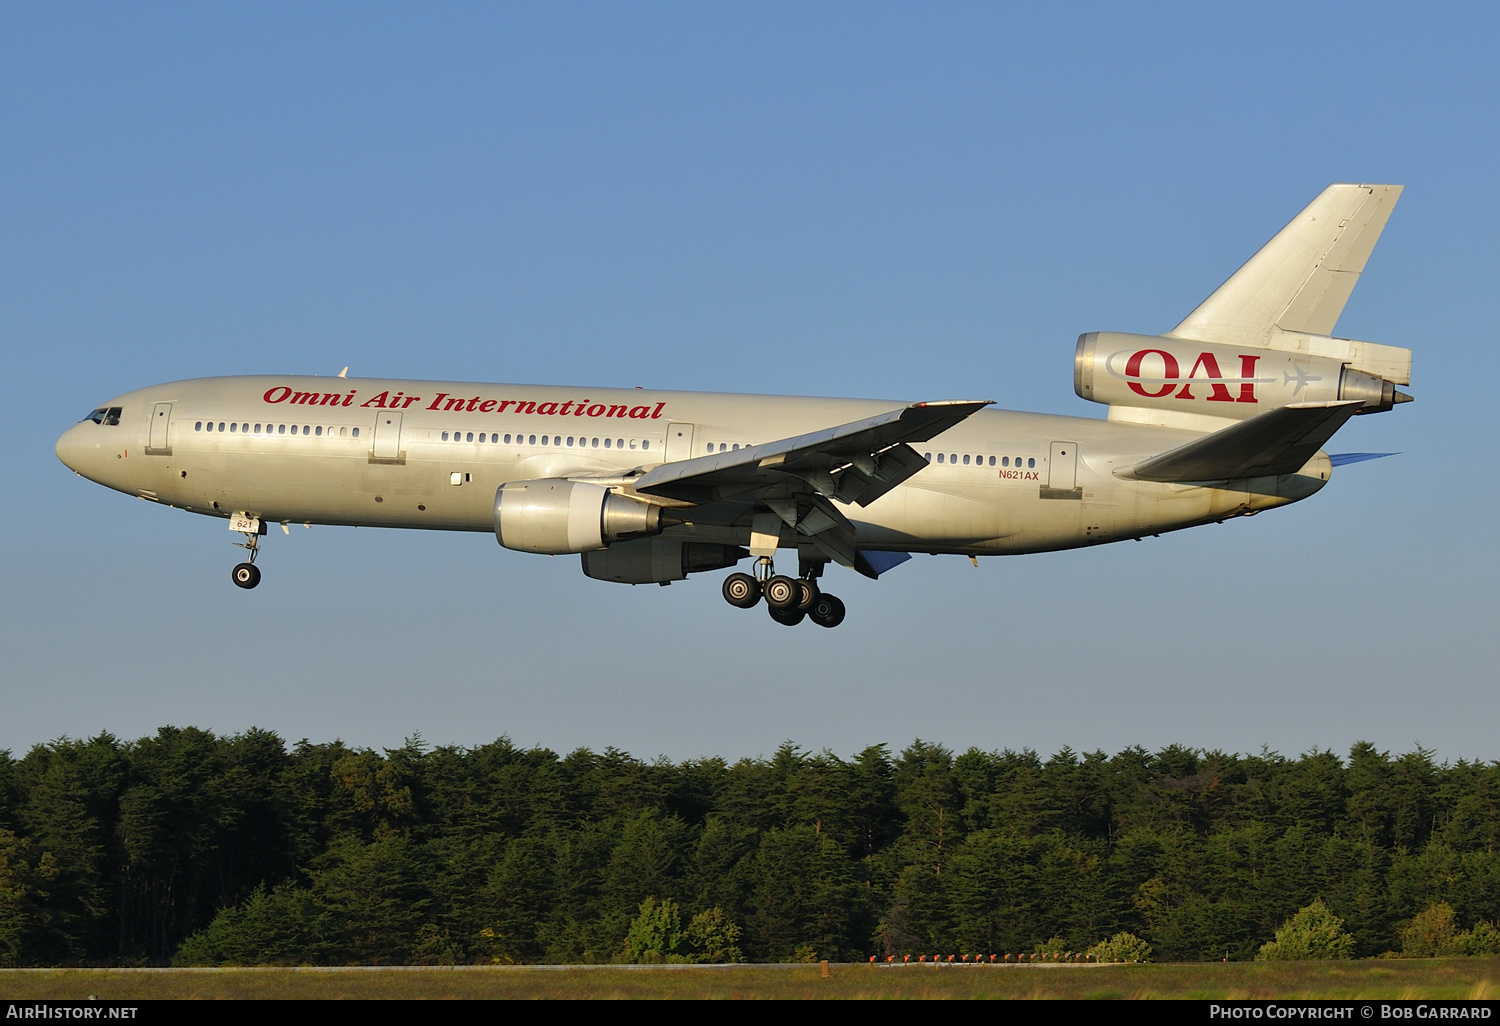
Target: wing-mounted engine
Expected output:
[1263,339]
[555,516]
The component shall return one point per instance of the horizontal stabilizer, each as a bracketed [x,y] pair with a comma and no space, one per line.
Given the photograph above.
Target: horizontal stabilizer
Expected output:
[1300,280]
[1274,443]
[1343,459]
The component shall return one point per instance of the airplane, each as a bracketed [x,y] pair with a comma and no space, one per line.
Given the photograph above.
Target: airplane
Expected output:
[648,486]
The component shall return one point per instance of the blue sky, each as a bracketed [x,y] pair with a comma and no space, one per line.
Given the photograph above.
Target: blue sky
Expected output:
[901,201]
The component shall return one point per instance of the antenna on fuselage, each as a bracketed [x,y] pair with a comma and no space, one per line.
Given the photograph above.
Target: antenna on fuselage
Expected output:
[344,373]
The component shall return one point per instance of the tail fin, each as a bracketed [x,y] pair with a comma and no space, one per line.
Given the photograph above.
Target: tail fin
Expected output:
[1301,279]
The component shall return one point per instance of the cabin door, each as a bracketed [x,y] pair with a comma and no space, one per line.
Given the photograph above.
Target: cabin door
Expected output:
[159,443]
[679,442]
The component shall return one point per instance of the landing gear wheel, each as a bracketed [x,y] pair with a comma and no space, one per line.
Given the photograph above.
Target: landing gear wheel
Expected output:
[246,575]
[790,617]
[826,611]
[741,590]
[807,594]
[782,592]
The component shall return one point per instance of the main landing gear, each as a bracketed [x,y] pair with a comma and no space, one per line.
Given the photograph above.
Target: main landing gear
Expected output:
[247,575]
[789,600]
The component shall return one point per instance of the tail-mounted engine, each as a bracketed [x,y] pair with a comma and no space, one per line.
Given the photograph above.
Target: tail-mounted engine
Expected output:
[1160,372]
[556,516]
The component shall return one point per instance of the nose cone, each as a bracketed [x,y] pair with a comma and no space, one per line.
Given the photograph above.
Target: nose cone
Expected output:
[77,449]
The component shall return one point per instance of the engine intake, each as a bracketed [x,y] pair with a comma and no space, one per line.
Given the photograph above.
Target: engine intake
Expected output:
[555,516]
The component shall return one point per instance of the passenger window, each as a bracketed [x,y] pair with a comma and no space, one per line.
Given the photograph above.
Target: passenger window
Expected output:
[619,443]
[607,442]
[632,443]
[966,459]
[1031,462]
[342,430]
[645,443]
[953,457]
[596,443]
[445,436]
[927,456]
[318,431]
[570,441]
[196,427]
[233,427]
[355,432]
[469,437]
[940,458]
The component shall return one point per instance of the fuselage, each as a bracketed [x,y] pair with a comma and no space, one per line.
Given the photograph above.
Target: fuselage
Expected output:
[431,454]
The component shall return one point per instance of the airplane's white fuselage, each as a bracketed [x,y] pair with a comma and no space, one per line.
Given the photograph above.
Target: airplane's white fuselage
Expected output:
[430,455]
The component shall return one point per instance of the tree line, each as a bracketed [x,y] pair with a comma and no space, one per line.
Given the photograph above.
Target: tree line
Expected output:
[193,848]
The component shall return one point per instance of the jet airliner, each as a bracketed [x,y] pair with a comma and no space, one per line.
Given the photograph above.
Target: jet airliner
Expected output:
[1223,416]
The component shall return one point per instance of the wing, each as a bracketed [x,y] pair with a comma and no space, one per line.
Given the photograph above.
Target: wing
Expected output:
[792,481]
[856,462]
[1278,442]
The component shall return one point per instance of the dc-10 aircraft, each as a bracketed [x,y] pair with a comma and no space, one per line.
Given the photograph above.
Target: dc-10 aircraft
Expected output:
[1223,416]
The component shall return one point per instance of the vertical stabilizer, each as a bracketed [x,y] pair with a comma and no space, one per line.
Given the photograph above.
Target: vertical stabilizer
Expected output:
[1300,280]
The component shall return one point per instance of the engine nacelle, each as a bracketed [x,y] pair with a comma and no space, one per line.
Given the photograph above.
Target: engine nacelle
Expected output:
[1157,372]
[556,516]
[658,560]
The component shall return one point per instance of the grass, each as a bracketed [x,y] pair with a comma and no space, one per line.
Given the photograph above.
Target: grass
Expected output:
[1456,978]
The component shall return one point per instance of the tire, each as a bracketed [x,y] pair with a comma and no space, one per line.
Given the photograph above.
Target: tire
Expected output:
[741,590]
[826,611]
[246,575]
[781,592]
[807,594]
[788,617]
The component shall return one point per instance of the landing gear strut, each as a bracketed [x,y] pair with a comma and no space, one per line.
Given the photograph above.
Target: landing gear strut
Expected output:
[247,575]
[789,600]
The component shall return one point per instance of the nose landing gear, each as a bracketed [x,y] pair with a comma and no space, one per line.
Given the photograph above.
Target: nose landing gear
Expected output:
[789,600]
[247,575]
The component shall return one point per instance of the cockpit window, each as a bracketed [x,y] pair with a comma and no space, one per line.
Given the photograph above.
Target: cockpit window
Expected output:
[107,415]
